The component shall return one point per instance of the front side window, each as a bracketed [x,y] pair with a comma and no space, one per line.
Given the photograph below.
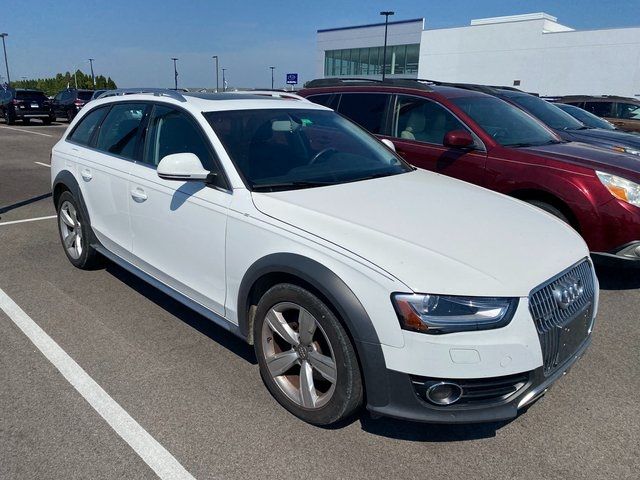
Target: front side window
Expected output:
[282,149]
[506,123]
[119,130]
[172,131]
[83,132]
[366,109]
[423,120]
[628,111]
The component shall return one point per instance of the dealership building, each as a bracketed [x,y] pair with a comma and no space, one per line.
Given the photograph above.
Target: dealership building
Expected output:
[532,52]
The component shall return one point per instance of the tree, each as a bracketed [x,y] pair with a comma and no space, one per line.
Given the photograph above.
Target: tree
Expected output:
[52,85]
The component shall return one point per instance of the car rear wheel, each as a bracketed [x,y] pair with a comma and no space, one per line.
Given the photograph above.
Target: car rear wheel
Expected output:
[75,233]
[9,118]
[26,121]
[47,121]
[305,356]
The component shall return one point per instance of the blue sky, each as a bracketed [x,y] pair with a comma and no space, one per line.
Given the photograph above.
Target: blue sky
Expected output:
[133,40]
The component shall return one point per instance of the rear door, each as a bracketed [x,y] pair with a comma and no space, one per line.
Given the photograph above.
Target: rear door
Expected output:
[179,227]
[417,129]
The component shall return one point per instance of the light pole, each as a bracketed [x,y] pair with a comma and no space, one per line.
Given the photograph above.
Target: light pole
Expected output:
[217,84]
[175,72]
[272,69]
[6,62]
[384,51]
[93,77]
[224,81]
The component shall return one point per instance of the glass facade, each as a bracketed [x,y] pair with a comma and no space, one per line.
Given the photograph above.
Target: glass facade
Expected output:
[401,60]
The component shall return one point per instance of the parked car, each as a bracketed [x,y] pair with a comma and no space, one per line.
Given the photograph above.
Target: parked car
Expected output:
[623,112]
[588,118]
[566,126]
[67,103]
[484,140]
[356,277]
[97,93]
[24,105]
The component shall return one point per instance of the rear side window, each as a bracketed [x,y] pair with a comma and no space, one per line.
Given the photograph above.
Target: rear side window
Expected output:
[366,109]
[84,130]
[601,109]
[119,130]
[172,131]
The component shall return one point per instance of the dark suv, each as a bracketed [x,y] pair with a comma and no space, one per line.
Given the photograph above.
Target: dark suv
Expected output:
[25,105]
[623,112]
[484,140]
[68,103]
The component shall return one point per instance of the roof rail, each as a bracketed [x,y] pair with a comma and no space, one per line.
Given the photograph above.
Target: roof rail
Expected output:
[340,81]
[158,92]
[272,93]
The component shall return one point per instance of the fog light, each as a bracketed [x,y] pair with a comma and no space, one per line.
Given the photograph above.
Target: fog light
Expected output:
[443,393]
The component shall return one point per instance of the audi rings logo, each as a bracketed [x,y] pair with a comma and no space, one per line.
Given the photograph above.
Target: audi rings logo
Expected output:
[567,291]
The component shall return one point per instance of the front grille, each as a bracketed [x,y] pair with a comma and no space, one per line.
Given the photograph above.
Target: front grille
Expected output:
[563,322]
[478,390]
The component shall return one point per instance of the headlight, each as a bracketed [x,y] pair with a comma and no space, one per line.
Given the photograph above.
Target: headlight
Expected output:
[621,188]
[437,314]
[632,151]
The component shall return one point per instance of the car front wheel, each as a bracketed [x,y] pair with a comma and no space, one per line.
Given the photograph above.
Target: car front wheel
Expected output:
[75,233]
[305,356]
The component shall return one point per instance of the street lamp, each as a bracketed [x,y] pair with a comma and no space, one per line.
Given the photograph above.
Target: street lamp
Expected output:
[384,51]
[224,81]
[6,62]
[272,69]
[175,72]
[93,77]
[217,84]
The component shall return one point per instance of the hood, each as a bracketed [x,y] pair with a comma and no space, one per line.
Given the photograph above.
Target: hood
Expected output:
[434,233]
[590,156]
[613,138]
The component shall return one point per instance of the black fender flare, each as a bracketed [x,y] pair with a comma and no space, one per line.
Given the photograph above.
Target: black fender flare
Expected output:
[337,292]
[66,178]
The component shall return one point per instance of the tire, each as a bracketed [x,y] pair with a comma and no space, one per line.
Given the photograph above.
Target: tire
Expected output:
[325,360]
[69,116]
[26,121]
[9,118]
[549,209]
[75,234]
[47,121]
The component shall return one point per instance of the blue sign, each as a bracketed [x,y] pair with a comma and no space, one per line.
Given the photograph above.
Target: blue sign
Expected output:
[292,78]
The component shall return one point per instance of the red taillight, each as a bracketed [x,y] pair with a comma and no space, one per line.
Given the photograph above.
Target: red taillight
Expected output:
[78,103]
[15,101]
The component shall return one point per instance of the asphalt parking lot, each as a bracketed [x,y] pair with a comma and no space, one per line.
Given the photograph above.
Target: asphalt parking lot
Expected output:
[195,389]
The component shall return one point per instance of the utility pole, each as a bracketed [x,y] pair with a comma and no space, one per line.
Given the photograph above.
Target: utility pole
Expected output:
[384,51]
[215,57]
[93,77]
[6,62]
[224,81]
[175,72]
[272,68]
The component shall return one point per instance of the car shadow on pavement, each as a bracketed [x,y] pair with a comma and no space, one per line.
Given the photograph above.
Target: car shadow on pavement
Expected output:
[188,316]
[611,278]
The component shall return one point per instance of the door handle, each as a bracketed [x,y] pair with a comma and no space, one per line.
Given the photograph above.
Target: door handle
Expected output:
[86,175]
[138,195]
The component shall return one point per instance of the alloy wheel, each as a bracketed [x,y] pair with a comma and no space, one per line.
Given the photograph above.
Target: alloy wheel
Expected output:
[70,230]
[298,355]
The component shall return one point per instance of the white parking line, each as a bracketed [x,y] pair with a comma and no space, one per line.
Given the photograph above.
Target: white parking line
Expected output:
[27,220]
[27,131]
[43,164]
[155,455]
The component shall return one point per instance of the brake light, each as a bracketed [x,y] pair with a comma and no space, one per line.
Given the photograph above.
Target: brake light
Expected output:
[78,103]
[15,101]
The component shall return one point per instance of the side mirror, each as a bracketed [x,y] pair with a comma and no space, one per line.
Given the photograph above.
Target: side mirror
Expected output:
[389,144]
[185,167]
[458,139]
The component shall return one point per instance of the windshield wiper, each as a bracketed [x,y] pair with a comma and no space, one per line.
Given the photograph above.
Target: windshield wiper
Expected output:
[270,187]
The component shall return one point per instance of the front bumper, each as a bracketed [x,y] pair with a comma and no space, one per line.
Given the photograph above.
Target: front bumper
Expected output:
[404,403]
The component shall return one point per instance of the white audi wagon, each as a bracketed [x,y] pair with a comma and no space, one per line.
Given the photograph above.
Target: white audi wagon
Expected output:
[358,279]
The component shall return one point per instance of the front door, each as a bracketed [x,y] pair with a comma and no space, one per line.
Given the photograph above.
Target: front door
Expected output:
[418,128]
[179,227]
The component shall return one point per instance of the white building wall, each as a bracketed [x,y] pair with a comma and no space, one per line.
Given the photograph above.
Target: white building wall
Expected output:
[366,36]
[548,58]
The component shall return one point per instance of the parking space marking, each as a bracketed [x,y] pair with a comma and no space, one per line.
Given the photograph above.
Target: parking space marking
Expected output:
[43,164]
[148,448]
[27,131]
[27,220]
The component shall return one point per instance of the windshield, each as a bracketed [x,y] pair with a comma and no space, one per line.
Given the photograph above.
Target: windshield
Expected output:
[506,123]
[282,149]
[585,117]
[547,112]
[85,95]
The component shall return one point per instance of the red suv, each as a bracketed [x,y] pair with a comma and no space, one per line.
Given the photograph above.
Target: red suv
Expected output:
[484,140]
